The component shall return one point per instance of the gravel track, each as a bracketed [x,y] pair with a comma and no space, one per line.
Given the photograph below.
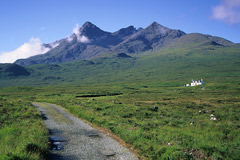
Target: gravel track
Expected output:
[73,139]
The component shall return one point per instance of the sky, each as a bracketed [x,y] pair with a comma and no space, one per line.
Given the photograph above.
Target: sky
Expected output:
[26,24]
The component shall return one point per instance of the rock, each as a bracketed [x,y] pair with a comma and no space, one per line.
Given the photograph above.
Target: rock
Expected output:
[213,119]
[154,108]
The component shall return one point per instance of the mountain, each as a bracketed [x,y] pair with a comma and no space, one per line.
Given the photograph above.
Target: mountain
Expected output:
[90,42]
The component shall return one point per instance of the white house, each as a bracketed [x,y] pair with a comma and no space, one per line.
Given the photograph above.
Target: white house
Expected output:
[195,83]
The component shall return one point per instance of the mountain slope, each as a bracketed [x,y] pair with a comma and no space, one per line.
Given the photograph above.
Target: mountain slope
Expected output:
[197,39]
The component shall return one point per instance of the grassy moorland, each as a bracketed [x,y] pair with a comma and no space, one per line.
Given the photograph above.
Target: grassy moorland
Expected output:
[178,127]
[22,132]
[119,94]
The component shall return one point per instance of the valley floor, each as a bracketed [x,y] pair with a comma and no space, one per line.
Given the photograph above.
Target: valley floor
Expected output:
[159,120]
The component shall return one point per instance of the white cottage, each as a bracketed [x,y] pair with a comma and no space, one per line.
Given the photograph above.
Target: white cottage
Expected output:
[195,83]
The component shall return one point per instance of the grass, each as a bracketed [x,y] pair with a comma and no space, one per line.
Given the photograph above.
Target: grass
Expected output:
[179,129]
[22,133]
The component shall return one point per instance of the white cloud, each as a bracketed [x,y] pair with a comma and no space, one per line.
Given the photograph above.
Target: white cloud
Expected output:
[83,39]
[76,29]
[228,11]
[69,39]
[80,38]
[32,48]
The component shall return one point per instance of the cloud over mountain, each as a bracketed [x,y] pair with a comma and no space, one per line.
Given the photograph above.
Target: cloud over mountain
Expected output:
[80,37]
[33,47]
[228,11]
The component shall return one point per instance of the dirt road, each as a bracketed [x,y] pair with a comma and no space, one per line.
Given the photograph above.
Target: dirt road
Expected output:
[73,139]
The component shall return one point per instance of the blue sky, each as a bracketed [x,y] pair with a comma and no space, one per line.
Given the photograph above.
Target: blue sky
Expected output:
[45,21]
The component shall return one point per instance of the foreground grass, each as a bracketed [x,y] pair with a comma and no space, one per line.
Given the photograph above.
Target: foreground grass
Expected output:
[179,128]
[22,132]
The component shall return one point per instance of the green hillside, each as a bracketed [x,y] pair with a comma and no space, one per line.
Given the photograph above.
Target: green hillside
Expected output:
[178,64]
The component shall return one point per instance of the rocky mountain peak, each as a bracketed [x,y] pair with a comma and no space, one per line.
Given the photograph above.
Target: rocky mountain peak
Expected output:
[91,31]
[131,28]
[125,32]
[88,26]
[157,28]
[154,24]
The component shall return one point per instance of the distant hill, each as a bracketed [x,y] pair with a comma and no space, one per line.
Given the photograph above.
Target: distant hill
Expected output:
[12,70]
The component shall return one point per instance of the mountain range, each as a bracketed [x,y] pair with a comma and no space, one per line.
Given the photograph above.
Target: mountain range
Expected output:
[90,42]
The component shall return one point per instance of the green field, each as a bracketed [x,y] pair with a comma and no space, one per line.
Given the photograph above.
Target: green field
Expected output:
[22,132]
[179,129]
[140,99]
